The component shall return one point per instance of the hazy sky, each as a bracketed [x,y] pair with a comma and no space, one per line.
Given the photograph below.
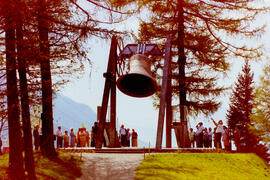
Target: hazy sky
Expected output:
[138,113]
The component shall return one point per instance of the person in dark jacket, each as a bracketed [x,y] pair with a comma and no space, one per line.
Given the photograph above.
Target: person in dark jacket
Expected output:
[36,137]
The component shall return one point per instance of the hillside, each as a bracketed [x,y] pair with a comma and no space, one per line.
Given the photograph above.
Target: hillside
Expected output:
[70,114]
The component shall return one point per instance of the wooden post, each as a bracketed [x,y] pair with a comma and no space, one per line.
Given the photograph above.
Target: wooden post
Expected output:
[164,92]
[107,87]
[112,129]
[169,111]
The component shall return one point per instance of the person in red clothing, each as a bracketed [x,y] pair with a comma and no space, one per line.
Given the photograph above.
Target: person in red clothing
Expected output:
[134,138]
[82,137]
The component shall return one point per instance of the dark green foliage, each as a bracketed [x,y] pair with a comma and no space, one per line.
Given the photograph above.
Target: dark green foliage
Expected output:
[239,115]
[242,98]
[240,107]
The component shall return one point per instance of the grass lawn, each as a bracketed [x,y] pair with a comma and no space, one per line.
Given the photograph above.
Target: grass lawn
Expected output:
[66,166]
[203,166]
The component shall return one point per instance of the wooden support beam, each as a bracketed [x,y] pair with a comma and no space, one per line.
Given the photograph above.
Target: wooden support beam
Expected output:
[112,130]
[169,111]
[164,90]
[107,88]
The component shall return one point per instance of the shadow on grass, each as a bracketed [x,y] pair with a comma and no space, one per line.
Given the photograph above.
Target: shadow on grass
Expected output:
[65,166]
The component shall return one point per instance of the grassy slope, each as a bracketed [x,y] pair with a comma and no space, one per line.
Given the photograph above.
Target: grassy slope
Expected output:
[203,166]
[66,166]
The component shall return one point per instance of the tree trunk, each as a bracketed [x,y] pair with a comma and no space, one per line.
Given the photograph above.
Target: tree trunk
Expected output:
[182,74]
[15,136]
[28,146]
[47,140]
[181,59]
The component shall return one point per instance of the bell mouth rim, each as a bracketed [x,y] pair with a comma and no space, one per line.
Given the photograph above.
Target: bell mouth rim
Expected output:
[132,94]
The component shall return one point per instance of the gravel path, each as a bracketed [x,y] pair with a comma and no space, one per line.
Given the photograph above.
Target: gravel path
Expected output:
[109,166]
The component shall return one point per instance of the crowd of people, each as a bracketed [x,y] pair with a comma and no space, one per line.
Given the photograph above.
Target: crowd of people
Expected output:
[201,138]
[83,138]
[204,137]
[125,136]
[69,138]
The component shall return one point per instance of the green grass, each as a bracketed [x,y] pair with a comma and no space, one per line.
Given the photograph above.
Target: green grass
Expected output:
[203,166]
[66,166]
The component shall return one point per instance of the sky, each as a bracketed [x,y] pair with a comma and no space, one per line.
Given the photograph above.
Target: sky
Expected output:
[139,113]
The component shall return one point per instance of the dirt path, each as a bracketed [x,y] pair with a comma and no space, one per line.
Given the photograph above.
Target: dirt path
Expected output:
[109,166]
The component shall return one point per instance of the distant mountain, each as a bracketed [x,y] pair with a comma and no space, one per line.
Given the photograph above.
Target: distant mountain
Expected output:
[70,114]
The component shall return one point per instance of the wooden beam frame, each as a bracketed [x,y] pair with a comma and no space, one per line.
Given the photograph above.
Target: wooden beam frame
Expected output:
[165,99]
[109,88]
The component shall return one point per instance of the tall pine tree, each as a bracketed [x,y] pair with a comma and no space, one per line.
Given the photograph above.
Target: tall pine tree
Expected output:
[240,109]
[16,168]
[25,109]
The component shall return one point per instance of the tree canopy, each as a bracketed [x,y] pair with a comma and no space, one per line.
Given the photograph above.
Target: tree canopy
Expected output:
[206,35]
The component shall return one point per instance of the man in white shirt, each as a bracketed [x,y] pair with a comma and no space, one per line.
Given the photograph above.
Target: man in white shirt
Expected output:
[219,132]
[59,137]
[123,134]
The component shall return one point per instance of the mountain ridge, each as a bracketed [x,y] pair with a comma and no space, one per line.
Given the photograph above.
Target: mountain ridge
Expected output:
[71,114]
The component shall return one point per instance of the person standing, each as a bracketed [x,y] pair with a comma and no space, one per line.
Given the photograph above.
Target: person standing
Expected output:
[1,145]
[36,137]
[134,138]
[200,135]
[59,137]
[205,138]
[87,138]
[78,138]
[66,139]
[128,137]
[236,138]
[92,137]
[123,135]
[94,132]
[215,137]
[72,138]
[82,137]
[197,135]
[219,132]
[192,137]
[210,137]
[225,138]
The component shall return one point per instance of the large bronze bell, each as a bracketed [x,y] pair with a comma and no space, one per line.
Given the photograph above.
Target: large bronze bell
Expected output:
[138,82]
